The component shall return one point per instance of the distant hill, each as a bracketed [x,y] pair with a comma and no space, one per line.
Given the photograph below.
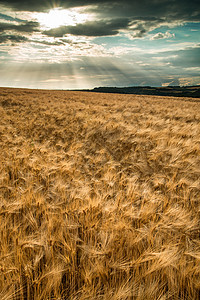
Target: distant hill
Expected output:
[176,91]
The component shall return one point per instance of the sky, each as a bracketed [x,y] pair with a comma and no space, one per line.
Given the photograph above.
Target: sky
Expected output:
[82,44]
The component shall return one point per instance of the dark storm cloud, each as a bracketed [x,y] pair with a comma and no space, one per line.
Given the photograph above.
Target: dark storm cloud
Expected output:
[15,39]
[175,9]
[9,18]
[99,28]
[25,27]
[5,38]
[138,17]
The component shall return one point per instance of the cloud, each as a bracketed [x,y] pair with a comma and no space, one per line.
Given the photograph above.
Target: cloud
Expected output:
[136,17]
[12,38]
[9,18]
[82,73]
[87,72]
[23,5]
[47,43]
[161,35]
[184,9]
[185,81]
[186,58]
[28,26]
[92,28]
[172,82]
[150,61]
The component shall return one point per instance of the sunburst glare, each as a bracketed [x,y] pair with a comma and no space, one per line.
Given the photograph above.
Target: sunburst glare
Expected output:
[60,17]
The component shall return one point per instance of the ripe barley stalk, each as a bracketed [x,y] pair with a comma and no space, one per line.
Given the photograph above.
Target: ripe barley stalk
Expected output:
[99,196]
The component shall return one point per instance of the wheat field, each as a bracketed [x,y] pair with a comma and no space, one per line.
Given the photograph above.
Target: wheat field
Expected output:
[99,196]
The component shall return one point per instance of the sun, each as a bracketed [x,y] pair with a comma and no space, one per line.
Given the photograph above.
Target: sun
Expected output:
[60,17]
